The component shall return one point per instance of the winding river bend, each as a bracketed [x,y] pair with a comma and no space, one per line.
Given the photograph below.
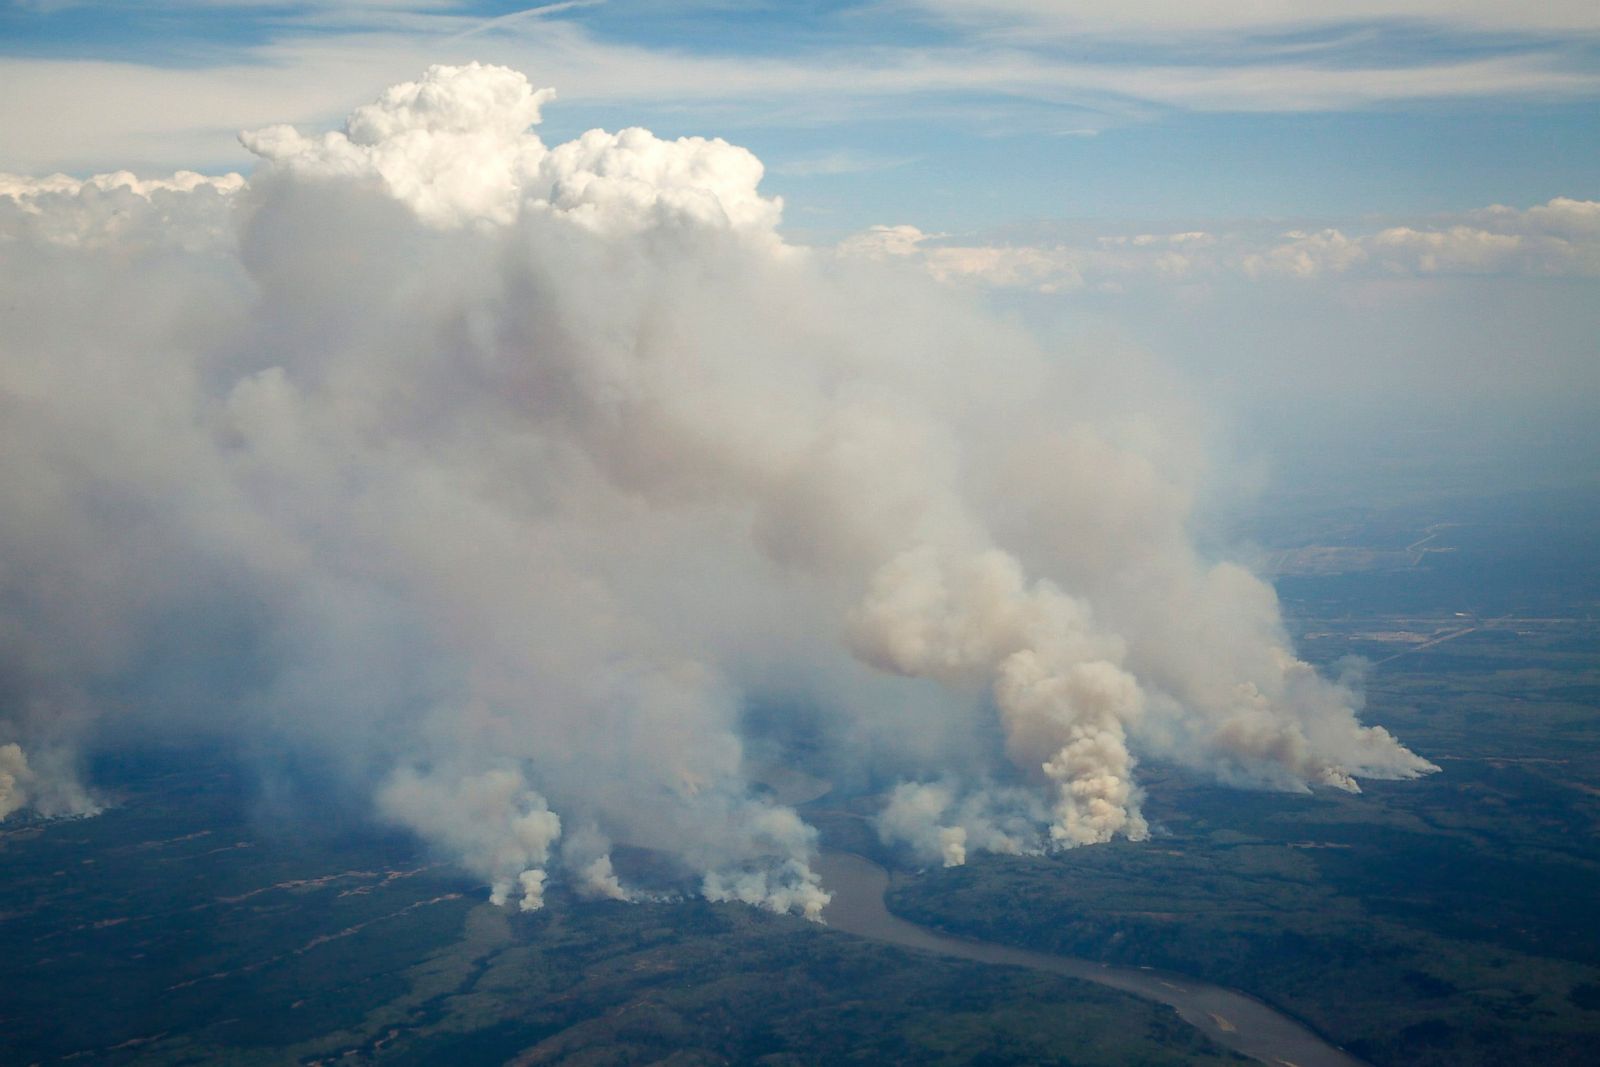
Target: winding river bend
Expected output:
[1230,1019]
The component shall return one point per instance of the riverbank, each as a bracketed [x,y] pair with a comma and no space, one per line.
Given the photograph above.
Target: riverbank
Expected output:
[1229,1018]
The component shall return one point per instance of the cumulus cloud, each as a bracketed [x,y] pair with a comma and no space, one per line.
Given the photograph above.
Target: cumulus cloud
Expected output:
[455,147]
[1560,238]
[188,210]
[509,477]
[1045,269]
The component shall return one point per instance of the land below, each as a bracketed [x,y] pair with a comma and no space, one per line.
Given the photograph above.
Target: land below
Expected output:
[214,915]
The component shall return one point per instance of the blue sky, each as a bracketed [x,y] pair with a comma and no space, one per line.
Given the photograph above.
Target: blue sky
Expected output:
[952,114]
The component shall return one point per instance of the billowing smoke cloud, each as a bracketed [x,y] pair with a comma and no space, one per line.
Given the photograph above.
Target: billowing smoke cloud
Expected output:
[934,822]
[507,477]
[48,785]
[1064,699]
[499,826]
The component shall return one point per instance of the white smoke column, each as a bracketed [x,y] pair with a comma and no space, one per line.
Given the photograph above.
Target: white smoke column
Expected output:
[792,887]
[15,779]
[598,879]
[914,814]
[1064,700]
[48,785]
[940,823]
[498,826]
[587,853]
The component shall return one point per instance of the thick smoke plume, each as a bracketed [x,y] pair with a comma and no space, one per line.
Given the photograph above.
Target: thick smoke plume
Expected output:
[508,477]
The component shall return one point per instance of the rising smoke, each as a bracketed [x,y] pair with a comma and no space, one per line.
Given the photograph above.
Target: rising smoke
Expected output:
[507,476]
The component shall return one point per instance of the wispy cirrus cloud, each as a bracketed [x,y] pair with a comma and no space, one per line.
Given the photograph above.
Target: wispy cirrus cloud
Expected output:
[834,163]
[92,106]
[1133,18]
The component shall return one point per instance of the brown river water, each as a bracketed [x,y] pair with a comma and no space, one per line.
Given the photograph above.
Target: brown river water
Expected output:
[1231,1019]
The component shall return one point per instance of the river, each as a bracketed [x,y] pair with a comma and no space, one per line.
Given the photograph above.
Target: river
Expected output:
[1230,1019]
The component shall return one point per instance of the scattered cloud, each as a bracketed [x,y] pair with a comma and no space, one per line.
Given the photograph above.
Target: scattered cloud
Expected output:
[1560,238]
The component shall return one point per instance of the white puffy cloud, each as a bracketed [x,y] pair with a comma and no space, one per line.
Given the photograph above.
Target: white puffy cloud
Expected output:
[1046,269]
[456,146]
[1065,702]
[1560,238]
[120,209]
